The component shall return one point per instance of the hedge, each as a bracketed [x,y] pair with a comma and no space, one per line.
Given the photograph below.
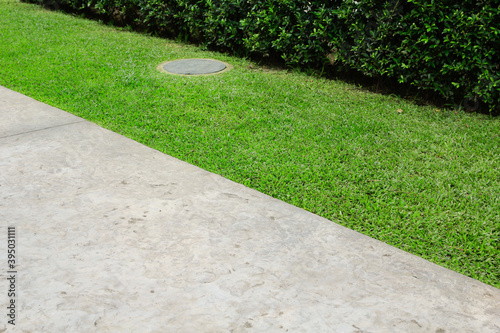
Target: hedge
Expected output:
[447,47]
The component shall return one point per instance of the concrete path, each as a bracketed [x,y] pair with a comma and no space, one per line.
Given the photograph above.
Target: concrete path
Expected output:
[112,236]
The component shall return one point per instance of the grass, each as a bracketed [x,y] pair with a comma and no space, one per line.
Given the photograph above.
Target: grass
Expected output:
[424,180]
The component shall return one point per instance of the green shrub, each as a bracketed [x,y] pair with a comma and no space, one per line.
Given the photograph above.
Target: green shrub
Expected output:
[451,48]
[299,31]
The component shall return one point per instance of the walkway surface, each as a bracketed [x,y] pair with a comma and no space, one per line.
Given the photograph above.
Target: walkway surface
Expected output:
[112,236]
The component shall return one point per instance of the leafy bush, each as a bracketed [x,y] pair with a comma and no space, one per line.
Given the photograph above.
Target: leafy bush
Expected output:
[299,31]
[452,48]
[448,47]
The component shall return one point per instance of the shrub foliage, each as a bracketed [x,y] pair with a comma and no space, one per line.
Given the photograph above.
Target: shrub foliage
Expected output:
[451,48]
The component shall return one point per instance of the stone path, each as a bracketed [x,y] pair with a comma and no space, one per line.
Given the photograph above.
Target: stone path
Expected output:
[113,236]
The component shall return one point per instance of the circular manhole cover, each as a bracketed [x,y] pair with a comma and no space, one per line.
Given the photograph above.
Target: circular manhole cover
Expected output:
[194,66]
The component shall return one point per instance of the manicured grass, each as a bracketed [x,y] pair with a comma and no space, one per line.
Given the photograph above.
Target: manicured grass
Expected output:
[424,180]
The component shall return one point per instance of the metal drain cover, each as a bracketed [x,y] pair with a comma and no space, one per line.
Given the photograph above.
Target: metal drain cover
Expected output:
[194,66]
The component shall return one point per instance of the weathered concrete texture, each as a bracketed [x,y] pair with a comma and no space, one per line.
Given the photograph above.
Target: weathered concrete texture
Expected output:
[116,237]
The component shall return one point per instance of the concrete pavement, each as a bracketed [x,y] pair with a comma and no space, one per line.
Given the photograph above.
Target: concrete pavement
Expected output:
[112,236]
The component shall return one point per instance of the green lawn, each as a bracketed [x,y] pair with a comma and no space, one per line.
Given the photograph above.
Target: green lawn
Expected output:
[424,180]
